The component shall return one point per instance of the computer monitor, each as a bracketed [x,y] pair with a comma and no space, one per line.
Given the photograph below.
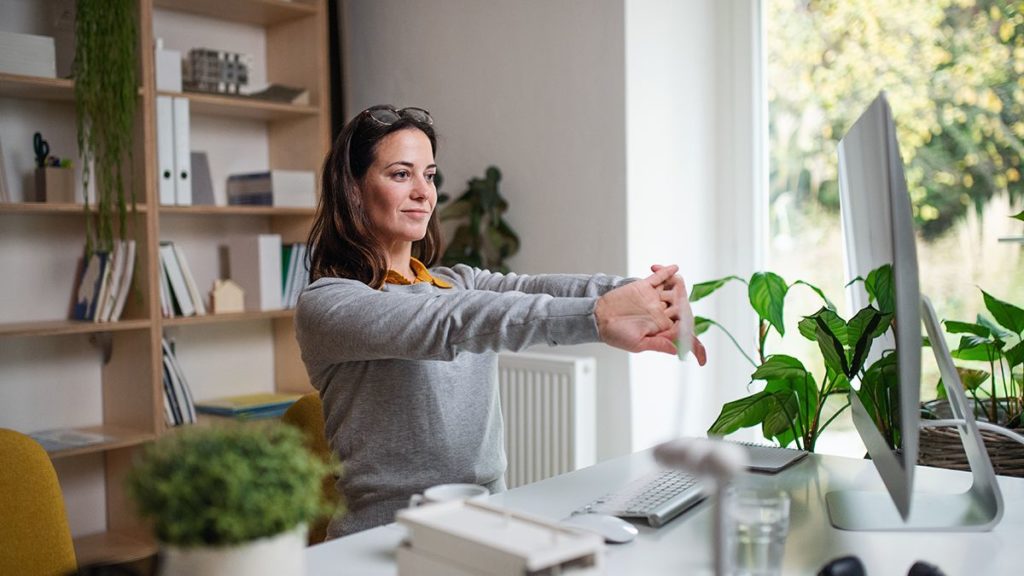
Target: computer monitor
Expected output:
[877,230]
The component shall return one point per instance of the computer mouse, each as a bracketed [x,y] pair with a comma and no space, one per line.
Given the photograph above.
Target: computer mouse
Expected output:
[611,528]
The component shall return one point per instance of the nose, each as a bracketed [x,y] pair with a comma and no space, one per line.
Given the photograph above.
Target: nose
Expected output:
[421,188]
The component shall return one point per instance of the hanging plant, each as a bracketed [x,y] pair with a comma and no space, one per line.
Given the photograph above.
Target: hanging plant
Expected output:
[106,86]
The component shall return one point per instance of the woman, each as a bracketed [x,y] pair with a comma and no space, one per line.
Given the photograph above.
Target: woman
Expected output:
[403,354]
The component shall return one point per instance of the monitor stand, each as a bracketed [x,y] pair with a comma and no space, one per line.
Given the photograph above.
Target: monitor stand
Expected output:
[978,509]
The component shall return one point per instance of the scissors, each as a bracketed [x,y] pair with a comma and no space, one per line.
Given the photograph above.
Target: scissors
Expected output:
[42,148]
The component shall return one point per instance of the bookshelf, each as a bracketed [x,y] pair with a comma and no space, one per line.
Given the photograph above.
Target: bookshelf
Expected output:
[107,377]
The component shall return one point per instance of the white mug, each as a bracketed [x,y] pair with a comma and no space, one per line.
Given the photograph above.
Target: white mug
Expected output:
[448,493]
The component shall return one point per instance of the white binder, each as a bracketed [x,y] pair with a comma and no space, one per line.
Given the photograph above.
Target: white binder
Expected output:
[165,147]
[182,154]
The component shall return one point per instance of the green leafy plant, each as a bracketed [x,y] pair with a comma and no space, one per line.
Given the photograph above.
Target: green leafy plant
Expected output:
[484,239]
[228,484]
[790,406]
[106,94]
[998,345]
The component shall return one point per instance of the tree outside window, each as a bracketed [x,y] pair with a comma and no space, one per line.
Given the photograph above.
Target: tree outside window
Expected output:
[954,74]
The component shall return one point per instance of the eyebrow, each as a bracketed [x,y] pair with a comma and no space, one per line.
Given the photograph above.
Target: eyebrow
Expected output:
[408,164]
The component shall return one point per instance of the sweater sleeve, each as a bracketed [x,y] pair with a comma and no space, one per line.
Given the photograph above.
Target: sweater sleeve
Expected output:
[559,285]
[339,320]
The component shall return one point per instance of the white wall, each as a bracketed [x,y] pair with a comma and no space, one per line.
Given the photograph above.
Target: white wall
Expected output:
[693,104]
[535,88]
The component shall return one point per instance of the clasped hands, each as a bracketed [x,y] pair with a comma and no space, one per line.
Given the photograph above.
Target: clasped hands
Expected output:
[649,314]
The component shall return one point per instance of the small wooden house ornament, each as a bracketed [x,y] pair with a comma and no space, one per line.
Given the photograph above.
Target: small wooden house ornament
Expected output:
[227,296]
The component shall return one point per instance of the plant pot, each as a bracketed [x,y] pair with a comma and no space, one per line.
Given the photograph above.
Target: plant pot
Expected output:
[942,448]
[281,555]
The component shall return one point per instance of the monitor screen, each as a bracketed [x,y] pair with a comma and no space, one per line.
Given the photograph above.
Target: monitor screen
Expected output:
[879,250]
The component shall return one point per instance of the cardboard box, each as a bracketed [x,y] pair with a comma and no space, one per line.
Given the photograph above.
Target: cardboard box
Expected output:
[54,185]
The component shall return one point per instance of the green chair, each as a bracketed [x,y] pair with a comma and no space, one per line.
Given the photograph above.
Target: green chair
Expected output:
[307,415]
[34,534]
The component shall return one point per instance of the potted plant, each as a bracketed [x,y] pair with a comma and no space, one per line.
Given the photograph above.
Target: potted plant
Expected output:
[484,239]
[989,355]
[790,405]
[106,95]
[233,499]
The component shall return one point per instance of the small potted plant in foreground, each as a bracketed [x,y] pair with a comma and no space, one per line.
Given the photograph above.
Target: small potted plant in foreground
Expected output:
[230,499]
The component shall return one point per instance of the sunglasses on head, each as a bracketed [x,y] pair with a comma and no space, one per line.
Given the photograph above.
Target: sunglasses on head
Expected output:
[388,115]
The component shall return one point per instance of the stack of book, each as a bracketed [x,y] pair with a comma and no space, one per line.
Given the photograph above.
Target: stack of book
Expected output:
[27,54]
[178,405]
[294,273]
[249,406]
[288,188]
[102,284]
[179,294]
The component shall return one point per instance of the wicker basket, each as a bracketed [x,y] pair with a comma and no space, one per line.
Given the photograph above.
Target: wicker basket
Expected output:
[941,447]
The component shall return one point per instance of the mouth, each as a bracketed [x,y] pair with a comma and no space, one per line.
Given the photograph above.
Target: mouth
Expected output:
[417,213]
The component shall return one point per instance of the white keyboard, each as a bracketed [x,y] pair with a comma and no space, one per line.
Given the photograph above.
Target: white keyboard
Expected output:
[657,497]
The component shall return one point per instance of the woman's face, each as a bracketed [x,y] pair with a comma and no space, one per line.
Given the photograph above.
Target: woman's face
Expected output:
[398,188]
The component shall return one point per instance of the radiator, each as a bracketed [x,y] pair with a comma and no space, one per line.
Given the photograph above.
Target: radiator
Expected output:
[549,407]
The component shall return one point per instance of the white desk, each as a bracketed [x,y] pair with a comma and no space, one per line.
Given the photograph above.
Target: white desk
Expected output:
[682,547]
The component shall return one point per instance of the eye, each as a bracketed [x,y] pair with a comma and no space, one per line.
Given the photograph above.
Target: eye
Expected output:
[430,177]
[401,174]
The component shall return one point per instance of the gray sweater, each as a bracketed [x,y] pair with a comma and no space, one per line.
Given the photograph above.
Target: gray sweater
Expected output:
[408,375]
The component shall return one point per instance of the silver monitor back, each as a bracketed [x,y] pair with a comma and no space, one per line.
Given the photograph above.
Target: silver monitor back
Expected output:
[878,229]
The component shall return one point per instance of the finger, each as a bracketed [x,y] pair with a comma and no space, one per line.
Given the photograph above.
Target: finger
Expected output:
[699,351]
[662,275]
[657,344]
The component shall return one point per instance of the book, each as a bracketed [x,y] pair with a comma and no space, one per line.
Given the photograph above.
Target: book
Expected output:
[250,405]
[126,281]
[180,392]
[88,286]
[290,188]
[108,298]
[190,283]
[176,278]
[65,439]
[255,264]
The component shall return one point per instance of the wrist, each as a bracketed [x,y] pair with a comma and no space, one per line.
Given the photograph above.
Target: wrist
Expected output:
[600,315]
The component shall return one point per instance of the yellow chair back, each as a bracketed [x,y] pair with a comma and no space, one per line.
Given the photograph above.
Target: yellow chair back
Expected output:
[307,414]
[34,533]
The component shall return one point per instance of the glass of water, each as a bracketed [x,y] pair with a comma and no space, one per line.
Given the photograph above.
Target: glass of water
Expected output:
[759,524]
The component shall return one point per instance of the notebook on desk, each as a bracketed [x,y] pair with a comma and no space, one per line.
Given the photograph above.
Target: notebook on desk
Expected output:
[770,459]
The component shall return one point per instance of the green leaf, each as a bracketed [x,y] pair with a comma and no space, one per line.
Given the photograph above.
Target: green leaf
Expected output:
[863,328]
[1007,315]
[767,292]
[458,209]
[1015,356]
[996,330]
[780,366]
[700,325]
[783,410]
[1018,216]
[830,332]
[978,349]
[955,327]
[806,394]
[878,391]
[704,289]
[828,303]
[881,288]
[742,413]
[970,378]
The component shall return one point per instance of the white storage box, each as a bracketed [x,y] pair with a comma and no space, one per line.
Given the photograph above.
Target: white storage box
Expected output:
[479,539]
[27,54]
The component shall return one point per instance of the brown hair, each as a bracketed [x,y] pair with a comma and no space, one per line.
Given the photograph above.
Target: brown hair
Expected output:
[342,243]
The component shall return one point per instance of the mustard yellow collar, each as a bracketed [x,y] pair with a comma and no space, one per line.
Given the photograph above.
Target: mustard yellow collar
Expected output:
[422,275]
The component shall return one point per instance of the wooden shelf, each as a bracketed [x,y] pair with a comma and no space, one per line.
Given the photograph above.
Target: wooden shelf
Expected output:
[259,12]
[52,208]
[65,327]
[111,547]
[122,438]
[228,317]
[241,107]
[236,211]
[36,87]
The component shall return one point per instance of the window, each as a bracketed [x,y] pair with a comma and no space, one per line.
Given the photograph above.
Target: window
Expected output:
[953,73]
